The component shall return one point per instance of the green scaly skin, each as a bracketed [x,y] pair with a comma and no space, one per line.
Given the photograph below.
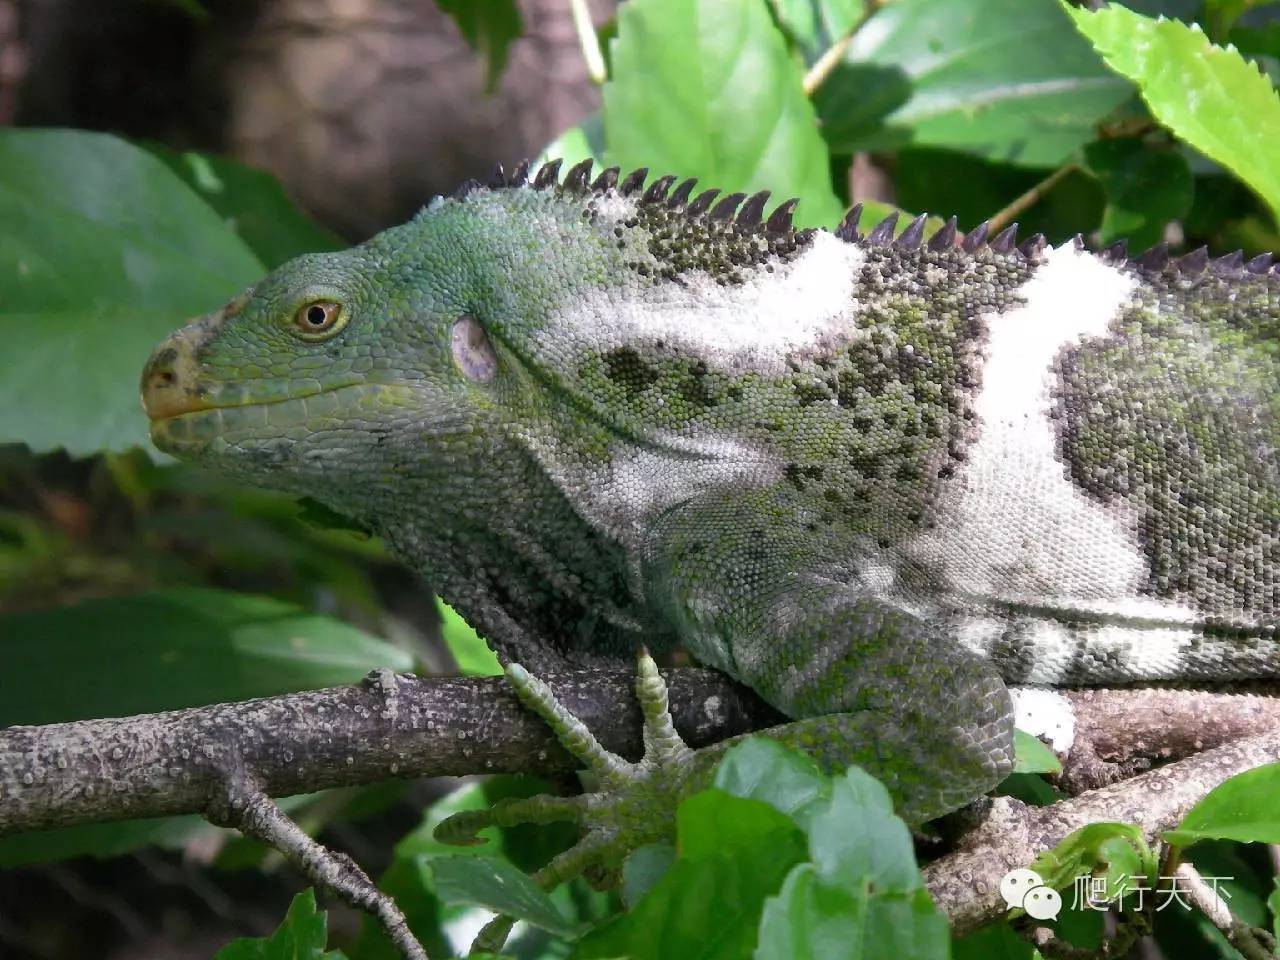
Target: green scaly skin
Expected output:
[873,480]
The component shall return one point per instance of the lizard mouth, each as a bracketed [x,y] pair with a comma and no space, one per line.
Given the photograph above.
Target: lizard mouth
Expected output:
[208,425]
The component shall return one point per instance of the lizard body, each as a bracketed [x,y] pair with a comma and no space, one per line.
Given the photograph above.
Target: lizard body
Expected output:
[873,479]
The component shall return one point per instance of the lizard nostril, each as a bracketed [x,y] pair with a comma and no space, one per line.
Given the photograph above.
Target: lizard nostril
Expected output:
[167,383]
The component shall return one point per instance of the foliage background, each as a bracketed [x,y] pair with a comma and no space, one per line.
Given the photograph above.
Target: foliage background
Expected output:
[129,583]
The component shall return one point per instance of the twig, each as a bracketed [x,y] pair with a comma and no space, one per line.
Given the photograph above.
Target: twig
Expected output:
[1028,199]
[254,814]
[965,884]
[1254,944]
[589,42]
[831,57]
[1116,942]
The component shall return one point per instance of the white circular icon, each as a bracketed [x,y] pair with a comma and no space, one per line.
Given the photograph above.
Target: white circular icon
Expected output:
[1043,903]
[1015,884]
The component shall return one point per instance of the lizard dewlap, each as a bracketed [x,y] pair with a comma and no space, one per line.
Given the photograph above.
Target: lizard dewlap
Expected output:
[873,479]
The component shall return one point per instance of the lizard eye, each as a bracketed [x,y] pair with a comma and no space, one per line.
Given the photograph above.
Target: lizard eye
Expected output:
[319,320]
[472,351]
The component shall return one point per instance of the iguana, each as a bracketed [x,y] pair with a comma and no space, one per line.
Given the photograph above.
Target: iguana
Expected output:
[873,478]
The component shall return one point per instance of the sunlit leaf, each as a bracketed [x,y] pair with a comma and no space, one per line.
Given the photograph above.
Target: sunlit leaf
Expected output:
[732,854]
[498,886]
[301,936]
[957,74]
[708,89]
[253,204]
[472,654]
[1032,756]
[1207,95]
[1240,808]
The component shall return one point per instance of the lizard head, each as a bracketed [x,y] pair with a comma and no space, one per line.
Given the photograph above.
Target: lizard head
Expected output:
[342,374]
[337,370]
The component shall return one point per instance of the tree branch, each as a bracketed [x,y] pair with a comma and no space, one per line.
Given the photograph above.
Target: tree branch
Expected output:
[965,883]
[1122,732]
[254,814]
[190,761]
[388,726]
[1254,944]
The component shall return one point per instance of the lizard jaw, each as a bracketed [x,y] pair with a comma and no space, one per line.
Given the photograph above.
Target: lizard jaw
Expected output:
[210,426]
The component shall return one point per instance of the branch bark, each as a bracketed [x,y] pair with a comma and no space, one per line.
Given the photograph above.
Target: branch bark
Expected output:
[255,814]
[965,883]
[388,726]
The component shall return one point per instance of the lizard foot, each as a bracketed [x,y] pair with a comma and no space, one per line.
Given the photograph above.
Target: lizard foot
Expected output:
[633,804]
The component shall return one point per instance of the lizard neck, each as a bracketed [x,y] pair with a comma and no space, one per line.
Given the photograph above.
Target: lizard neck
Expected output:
[511,554]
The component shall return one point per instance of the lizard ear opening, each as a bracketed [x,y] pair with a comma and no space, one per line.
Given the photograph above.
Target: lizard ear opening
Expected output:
[472,351]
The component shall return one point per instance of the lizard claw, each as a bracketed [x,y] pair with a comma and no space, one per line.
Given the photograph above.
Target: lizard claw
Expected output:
[633,804]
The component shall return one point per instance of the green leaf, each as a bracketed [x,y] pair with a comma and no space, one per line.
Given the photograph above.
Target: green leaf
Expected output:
[1003,79]
[708,89]
[925,178]
[528,846]
[472,654]
[861,887]
[811,919]
[732,854]
[1241,877]
[1117,852]
[498,886]
[643,868]
[1241,808]
[302,936]
[1262,40]
[577,144]
[1207,95]
[814,25]
[488,26]
[411,881]
[101,839]
[856,839]
[103,251]
[192,8]
[173,648]
[995,941]
[315,514]
[1219,15]
[1032,756]
[253,204]
[1145,187]
[762,769]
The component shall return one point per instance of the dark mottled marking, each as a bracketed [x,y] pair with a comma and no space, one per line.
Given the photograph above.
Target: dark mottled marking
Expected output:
[1014,652]
[626,367]
[724,249]
[1173,416]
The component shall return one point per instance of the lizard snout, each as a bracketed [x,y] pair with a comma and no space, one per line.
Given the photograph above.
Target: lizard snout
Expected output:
[170,381]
